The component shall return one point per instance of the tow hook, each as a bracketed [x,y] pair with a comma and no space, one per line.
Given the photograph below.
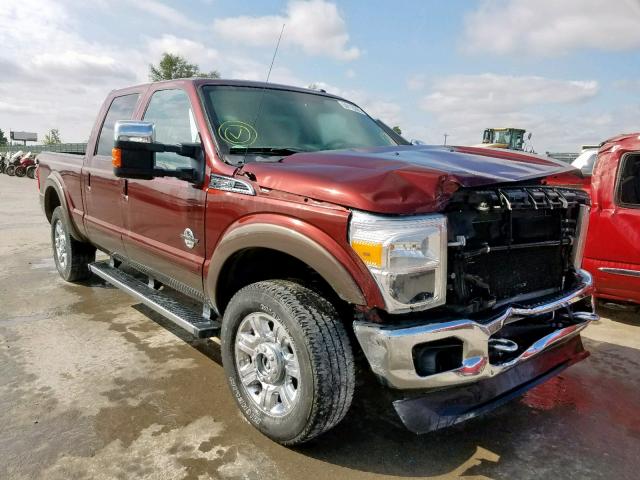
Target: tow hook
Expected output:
[503,345]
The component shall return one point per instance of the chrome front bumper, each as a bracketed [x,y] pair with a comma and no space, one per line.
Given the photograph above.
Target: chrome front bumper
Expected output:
[389,349]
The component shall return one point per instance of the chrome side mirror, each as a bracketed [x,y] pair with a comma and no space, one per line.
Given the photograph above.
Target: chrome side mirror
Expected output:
[134,154]
[132,131]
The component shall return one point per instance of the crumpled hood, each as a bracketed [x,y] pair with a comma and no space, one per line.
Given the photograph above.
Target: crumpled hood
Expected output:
[402,179]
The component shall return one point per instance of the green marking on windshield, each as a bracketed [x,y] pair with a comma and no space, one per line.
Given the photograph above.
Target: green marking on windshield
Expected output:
[237,133]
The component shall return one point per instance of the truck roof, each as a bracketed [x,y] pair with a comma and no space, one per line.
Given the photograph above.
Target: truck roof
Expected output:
[629,140]
[198,82]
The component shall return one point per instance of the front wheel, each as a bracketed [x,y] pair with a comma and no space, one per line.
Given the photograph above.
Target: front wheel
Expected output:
[287,359]
[11,170]
[20,171]
[71,256]
[31,172]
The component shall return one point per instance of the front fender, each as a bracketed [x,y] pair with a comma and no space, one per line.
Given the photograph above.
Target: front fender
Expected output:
[302,241]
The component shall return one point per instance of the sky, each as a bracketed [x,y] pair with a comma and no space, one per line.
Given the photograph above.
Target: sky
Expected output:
[568,71]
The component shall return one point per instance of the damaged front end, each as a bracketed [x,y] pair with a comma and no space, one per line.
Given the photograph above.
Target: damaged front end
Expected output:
[516,303]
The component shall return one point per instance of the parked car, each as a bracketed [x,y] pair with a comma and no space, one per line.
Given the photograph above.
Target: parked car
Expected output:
[612,252]
[310,236]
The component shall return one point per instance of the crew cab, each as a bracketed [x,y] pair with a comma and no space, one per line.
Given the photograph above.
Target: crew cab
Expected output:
[312,240]
[612,252]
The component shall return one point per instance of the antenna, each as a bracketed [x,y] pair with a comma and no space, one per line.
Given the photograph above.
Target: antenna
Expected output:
[264,87]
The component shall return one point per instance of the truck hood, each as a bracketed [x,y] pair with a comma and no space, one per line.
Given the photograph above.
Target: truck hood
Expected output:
[401,179]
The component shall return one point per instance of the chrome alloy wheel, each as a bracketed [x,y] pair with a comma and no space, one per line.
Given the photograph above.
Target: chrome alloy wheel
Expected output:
[61,245]
[267,364]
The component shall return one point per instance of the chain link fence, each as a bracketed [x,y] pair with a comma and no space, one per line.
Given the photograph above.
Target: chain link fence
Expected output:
[79,148]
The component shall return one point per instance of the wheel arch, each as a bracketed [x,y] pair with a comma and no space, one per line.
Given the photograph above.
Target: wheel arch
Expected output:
[54,197]
[284,242]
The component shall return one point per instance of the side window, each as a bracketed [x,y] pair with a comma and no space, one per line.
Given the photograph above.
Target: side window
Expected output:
[629,181]
[121,108]
[170,111]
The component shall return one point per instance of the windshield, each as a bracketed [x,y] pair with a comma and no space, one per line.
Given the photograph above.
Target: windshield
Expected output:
[585,161]
[514,139]
[288,122]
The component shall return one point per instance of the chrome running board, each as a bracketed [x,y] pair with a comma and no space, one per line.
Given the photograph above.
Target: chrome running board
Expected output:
[184,317]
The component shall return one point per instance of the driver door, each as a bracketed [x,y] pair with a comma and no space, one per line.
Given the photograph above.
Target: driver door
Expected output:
[159,212]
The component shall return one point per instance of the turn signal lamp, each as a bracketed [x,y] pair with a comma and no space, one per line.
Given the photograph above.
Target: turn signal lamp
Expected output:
[116,157]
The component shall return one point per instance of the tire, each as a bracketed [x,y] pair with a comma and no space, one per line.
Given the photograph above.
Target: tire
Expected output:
[309,335]
[11,170]
[72,258]
[20,171]
[31,172]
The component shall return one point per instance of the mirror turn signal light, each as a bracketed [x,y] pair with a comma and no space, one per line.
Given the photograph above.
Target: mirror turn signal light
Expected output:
[116,157]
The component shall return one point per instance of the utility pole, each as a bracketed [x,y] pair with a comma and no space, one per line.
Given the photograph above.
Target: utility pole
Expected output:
[445,138]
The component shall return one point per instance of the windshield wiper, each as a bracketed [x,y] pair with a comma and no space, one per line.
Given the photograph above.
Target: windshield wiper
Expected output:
[274,151]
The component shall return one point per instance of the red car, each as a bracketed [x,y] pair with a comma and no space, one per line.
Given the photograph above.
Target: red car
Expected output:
[612,253]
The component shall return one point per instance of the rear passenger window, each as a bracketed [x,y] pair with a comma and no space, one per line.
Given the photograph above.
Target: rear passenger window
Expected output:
[629,181]
[121,108]
[170,111]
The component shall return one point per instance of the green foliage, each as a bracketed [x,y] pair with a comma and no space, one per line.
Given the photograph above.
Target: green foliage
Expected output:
[52,137]
[175,66]
[3,139]
[397,130]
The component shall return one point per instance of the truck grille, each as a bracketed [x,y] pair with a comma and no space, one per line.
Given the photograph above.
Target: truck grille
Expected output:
[510,244]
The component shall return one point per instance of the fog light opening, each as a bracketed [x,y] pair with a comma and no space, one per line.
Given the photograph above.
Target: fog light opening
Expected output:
[438,356]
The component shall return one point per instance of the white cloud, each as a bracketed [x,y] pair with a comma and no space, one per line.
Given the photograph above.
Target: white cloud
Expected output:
[193,51]
[503,93]
[80,65]
[316,26]
[165,12]
[52,77]
[552,27]
[464,105]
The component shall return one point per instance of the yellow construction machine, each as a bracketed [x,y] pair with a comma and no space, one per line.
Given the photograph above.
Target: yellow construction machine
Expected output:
[509,138]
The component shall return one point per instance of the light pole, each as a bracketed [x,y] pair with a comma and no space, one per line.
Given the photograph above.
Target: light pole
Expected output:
[445,138]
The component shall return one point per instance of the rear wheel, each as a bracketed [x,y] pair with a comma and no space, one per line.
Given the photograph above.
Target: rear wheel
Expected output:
[31,172]
[72,257]
[288,360]
[11,170]
[20,171]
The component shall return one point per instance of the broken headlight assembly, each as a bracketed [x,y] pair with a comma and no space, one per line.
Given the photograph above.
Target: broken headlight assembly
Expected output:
[407,256]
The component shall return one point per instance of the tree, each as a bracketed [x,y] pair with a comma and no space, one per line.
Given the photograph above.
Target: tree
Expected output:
[175,66]
[52,137]
[3,139]
[397,130]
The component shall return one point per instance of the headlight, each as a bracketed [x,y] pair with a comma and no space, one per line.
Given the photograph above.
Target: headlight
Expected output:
[406,255]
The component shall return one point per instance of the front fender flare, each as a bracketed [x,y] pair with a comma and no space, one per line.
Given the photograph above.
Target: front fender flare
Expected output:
[291,242]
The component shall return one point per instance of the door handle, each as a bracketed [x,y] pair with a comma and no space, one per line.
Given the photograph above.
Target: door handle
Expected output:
[125,189]
[89,181]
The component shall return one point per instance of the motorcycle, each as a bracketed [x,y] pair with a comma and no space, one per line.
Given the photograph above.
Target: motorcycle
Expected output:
[3,163]
[31,169]
[14,160]
[25,163]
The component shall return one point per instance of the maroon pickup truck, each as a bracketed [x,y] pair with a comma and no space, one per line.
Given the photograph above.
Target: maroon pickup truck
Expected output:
[313,240]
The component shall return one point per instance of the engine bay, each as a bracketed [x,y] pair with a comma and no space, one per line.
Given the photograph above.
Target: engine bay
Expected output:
[510,244]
